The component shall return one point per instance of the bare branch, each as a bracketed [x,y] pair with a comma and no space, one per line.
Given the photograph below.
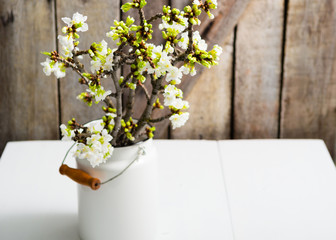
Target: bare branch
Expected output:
[130,104]
[142,16]
[79,53]
[149,108]
[145,90]
[78,70]
[157,16]
[117,119]
[160,119]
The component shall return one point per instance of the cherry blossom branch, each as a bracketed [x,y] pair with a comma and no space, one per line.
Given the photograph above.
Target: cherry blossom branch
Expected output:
[149,108]
[142,16]
[78,70]
[117,119]
[130,102]
[160,119]
[79,53]
[145,90]
[157,16]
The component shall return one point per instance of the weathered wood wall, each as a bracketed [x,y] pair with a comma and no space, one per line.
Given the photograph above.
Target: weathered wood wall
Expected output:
[276,77]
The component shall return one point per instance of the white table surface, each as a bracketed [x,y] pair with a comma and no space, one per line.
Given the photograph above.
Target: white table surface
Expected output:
[216,190]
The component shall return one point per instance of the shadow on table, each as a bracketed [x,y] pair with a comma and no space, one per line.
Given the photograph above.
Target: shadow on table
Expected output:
[36,227]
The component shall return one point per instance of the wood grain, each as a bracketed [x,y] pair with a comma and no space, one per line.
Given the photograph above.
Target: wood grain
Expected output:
[28,98]
[309,84]
[101,15]
[258,70]
[210,101]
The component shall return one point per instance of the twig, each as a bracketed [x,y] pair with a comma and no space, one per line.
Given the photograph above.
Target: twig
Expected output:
[149,108]
[108,101]
[78,53]
[130,102]
[160,119]
[157,16]
[117,119]
[75,68]
[145,90]
[142,17]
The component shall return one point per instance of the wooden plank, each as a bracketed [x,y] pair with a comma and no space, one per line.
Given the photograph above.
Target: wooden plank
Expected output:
[28,98]
[101,15]
[258,70]
[309,84]
[210,101]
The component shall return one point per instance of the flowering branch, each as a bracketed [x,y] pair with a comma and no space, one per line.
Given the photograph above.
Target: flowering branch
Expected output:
[95,141]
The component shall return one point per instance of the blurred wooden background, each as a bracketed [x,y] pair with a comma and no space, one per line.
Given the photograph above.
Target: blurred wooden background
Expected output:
[276,77]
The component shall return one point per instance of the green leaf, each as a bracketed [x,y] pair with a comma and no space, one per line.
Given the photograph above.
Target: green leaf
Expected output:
[46,53]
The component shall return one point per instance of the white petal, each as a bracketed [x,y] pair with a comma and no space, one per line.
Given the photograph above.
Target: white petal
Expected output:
[67,21]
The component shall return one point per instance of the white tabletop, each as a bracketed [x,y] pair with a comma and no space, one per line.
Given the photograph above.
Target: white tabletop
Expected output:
[237,189]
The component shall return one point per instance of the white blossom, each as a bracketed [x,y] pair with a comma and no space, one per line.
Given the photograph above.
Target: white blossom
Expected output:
[218,51]
[193,72]
[99,93]
[170,49]
[67,134]
[113,115]
[171,93]
[67,45]
[95,65]
[97,148]
[95,126]
[77,18]
[179,104]
[59,70]
[163,59]
[213,2]
[110,34]
[183,43]
[178,120]
[109,61]
[101,96]
[197,2]
[197,40]
[174,26]
[201,44]
[47,66]
[164,63]
[175,74]
[104,48]
[184,70]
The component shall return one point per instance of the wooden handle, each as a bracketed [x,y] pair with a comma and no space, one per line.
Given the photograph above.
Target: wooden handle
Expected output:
[80,176]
